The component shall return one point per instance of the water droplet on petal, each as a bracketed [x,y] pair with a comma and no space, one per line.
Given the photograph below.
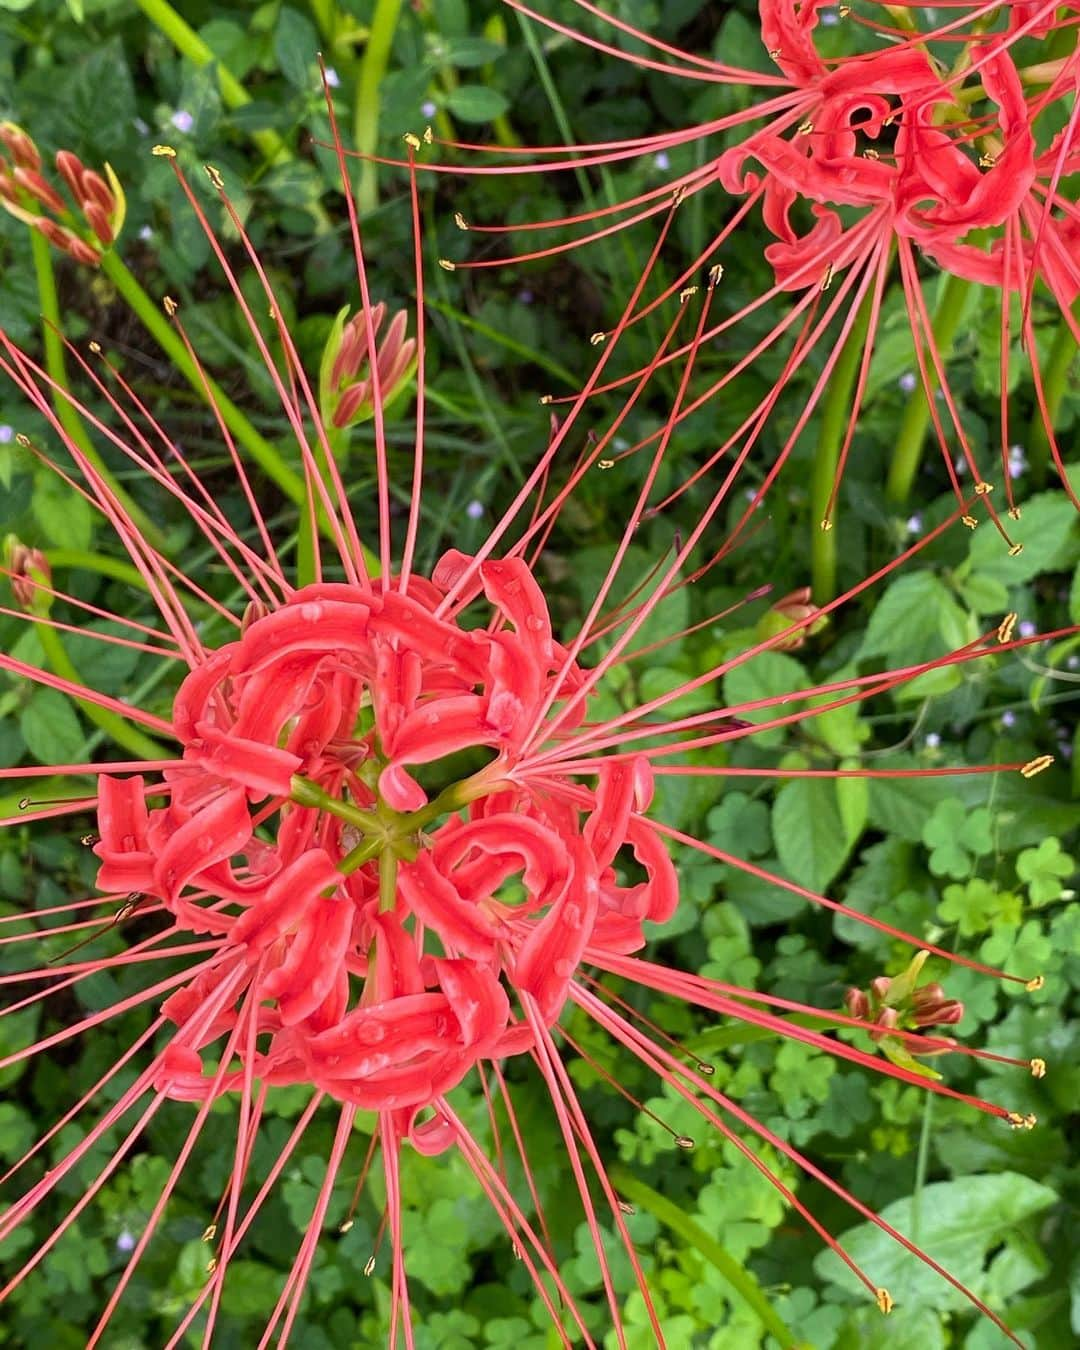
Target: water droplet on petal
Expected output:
[535,623]
[311,611]
[563,968]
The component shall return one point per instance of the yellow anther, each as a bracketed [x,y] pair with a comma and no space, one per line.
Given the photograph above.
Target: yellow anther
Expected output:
[460,221]
[969,521]
[716,271]
[987,161]
[95,347]
[411,140]
[826,525]
[844,11]
[1015,550]
[447,265]
[164,151]
[24,803]
[884,1300]
[981,489]
[626,1207]
[169,305]
[871,154]
[596,339]
[774,53]
[605,463]
[344,1227]
[369,1265]
[806,128]
[1006,626]
[215,177]
[684,1141]
[209,1232]
[545,399]
[211,1265]
[1019,1122]
[685,294]
[428,136]
[1014,513]
[23,440]
[680,193]
[1034,766]
[826,280]
[1038,1068]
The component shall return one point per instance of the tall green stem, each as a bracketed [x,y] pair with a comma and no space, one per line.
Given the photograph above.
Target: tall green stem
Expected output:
[114,726]
[1055,380]
[835,414]
[909,445]
[373,65]
[260,449]
[188,43]
[54,363]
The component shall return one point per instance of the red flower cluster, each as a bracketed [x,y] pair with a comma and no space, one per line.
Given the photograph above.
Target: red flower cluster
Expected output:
[268,729]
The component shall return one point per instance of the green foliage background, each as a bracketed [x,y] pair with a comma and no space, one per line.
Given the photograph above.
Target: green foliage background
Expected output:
[985,864]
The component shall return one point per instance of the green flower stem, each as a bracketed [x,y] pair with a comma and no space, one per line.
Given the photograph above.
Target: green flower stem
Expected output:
[114,726]
[188,43]
[373,65]
[54,364]
[260,449]
[115,568]
[306,793]
[835,413]
[909,444]
[1055,381]
[673,1216]
[922,1164]
[388,869]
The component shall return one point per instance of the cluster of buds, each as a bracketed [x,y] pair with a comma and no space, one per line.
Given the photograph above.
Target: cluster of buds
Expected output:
[346,386]
[779,621]
[28,571]
[901,1004]
[24,192]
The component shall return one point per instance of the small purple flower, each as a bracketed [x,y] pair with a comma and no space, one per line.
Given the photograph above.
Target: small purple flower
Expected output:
[1017,461]
[1027,628]
[474,510]
[428,108]
[914,524]
[6,433]
[145,232]
[1008,718]
[1072,663]
[829,17]
[526,296]
[908,381]
[126,1241]
[182,120]
[661,161]
[933,740]
[960,465]
[333,79]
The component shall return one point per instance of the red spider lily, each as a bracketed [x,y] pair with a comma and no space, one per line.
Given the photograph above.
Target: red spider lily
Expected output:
[24,191]
[943,144]
[335,904]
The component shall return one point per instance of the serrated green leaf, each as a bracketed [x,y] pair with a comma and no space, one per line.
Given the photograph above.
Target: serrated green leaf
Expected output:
[812,839]
[50,728]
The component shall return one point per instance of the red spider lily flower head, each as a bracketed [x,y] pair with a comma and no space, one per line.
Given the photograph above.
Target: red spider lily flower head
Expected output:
[945,143]
[900,1003]
[346,394]
[382,841]
[99,200]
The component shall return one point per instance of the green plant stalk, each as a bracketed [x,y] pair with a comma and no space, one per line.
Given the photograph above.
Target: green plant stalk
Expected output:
[115,568]
[260,449]
[65,410]
[835,414]
[1055,381]
[188,43]
[922,1164]
[909,445]
[114,726]
[373,65]
[675,1218]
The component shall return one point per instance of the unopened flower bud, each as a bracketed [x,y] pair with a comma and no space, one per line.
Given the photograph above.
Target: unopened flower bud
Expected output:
[29,570]
[346,380]
[857,1004]
[794,608]
[22,149]
[941,1012]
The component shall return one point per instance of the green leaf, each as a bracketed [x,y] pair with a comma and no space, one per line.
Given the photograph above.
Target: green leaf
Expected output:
[1047,530]
[464,52]
[476,103]
[50,728]
[295,46]
[63,515]
[767,675]
[1044,869]
[812,839]
[961,1224]
[978,906]
[915,619]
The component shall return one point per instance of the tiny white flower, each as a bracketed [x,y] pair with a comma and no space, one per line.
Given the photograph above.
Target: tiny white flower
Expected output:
[333,79]
[661,160]
[428,108]
[182,120]
[933,740]
[908,381]
[474,510]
